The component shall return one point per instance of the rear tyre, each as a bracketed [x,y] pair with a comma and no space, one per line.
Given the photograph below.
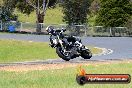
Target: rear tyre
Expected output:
[62,55]
[86,54]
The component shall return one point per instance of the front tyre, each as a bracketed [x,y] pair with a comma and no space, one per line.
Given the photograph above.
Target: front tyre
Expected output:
[86,54]
[61,54]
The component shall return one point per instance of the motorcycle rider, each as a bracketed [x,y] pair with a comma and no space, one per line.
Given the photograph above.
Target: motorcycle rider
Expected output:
[67,47]
[72,39]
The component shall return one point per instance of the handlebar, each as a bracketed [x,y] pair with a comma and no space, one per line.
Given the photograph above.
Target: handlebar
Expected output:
[61,31]
[52,30]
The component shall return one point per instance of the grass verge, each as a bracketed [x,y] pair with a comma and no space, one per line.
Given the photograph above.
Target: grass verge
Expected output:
[16,51]
[62,78]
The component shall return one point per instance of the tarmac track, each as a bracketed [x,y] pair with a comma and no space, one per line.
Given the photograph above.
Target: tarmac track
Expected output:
[117,48]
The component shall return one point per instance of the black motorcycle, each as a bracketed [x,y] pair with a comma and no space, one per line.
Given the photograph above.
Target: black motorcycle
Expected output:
[67,47]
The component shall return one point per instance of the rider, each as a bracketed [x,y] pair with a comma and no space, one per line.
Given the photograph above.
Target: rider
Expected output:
[72,39]
[50,30]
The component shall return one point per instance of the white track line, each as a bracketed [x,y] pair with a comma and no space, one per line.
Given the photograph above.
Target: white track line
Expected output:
[104,51]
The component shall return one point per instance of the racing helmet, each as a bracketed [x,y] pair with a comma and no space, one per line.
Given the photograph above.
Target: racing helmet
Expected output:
[50,29]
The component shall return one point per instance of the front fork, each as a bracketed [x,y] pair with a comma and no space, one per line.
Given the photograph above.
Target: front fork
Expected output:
[61,44]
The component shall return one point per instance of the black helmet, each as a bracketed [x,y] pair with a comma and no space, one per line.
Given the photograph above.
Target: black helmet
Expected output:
[50,29]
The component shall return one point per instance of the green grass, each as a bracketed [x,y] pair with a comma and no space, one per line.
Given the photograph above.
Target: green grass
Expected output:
[53,16]
[12,50]
[16,51]
[94,50]
[1,2]
[63,78]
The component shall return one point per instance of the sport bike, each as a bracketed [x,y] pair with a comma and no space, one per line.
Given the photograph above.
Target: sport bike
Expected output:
[67,47]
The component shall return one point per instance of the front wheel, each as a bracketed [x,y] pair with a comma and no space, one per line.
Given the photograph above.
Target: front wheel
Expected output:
[61,54]
[86,54]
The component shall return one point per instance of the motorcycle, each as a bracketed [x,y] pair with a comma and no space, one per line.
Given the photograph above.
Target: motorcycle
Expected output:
[67,47]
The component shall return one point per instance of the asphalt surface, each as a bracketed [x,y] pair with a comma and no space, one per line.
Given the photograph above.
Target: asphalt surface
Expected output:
[121,46]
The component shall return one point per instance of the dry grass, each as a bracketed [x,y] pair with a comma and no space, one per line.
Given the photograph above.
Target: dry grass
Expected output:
[22,68]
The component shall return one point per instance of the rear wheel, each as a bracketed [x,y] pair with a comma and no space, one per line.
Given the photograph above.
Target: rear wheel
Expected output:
[65,56]
[86,54]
